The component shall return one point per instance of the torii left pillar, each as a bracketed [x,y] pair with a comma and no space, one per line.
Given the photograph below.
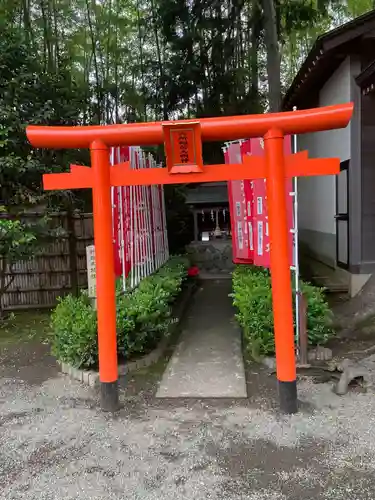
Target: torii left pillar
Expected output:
[98,178]
[105,276]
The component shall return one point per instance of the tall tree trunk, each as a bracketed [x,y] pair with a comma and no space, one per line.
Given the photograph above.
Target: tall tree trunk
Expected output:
[96,67]
[108,101]
[140,41]
[56,35]
[253,50]
[116,65]
[160,62]
[47,35]
[273,55]
[27,21]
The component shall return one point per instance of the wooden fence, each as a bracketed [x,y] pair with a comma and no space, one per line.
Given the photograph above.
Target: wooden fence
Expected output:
[58,270]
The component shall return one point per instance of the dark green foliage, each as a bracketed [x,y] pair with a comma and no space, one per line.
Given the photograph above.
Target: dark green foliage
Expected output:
[208,36]
[143,317]
[30,95]
[74,327]
[252,296]
[300,14]
[319,315]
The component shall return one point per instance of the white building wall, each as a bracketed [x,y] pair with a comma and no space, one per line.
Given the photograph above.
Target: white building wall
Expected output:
[317,195]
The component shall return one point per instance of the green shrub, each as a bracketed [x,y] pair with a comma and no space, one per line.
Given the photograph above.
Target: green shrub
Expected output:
[319,315]
[143,317]
[252,297]
[74,331]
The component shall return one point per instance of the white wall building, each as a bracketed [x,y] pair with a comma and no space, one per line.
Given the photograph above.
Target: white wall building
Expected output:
[337,213]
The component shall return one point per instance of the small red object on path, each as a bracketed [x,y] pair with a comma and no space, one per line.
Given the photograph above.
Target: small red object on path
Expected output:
[193,271]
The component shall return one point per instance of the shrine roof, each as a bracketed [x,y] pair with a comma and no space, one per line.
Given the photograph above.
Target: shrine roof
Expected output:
[207,193]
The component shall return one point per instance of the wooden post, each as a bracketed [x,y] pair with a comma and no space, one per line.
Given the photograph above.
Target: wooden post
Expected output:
[280,271]
[303,340]
[196,231]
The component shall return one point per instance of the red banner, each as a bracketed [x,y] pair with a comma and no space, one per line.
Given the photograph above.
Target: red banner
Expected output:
[237,194]
[248,209]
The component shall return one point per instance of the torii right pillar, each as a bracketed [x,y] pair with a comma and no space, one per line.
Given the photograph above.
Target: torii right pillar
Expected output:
[280,272]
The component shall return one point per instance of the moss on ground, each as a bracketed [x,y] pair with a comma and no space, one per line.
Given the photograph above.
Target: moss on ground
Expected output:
[25,326]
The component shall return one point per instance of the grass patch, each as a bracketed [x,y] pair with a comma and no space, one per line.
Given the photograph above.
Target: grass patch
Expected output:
[25,326]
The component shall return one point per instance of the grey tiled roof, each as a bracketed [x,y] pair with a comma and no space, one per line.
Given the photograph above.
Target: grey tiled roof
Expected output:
[208,193]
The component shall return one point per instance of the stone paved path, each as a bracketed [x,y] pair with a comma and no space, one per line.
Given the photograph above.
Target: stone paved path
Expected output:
[208,360]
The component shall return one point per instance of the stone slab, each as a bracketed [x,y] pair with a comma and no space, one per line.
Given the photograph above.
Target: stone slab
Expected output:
[208,361]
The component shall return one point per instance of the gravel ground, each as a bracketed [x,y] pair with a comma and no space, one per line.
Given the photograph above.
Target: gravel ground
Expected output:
[56,444]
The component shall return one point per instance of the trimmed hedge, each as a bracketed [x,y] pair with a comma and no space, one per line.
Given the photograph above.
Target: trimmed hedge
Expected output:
[143,317]
[252,297]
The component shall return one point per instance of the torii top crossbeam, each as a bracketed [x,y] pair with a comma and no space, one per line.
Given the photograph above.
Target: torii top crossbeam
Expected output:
[212,129]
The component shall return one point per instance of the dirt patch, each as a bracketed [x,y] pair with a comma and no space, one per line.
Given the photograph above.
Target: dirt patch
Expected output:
[24,348]
[259,463]
[357,342]
[18,416]
[46,456]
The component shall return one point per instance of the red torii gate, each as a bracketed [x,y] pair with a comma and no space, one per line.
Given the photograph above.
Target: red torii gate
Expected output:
[183,145]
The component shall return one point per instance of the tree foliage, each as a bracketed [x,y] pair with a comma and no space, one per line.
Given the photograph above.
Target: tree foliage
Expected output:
[29,94]
[126,60]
